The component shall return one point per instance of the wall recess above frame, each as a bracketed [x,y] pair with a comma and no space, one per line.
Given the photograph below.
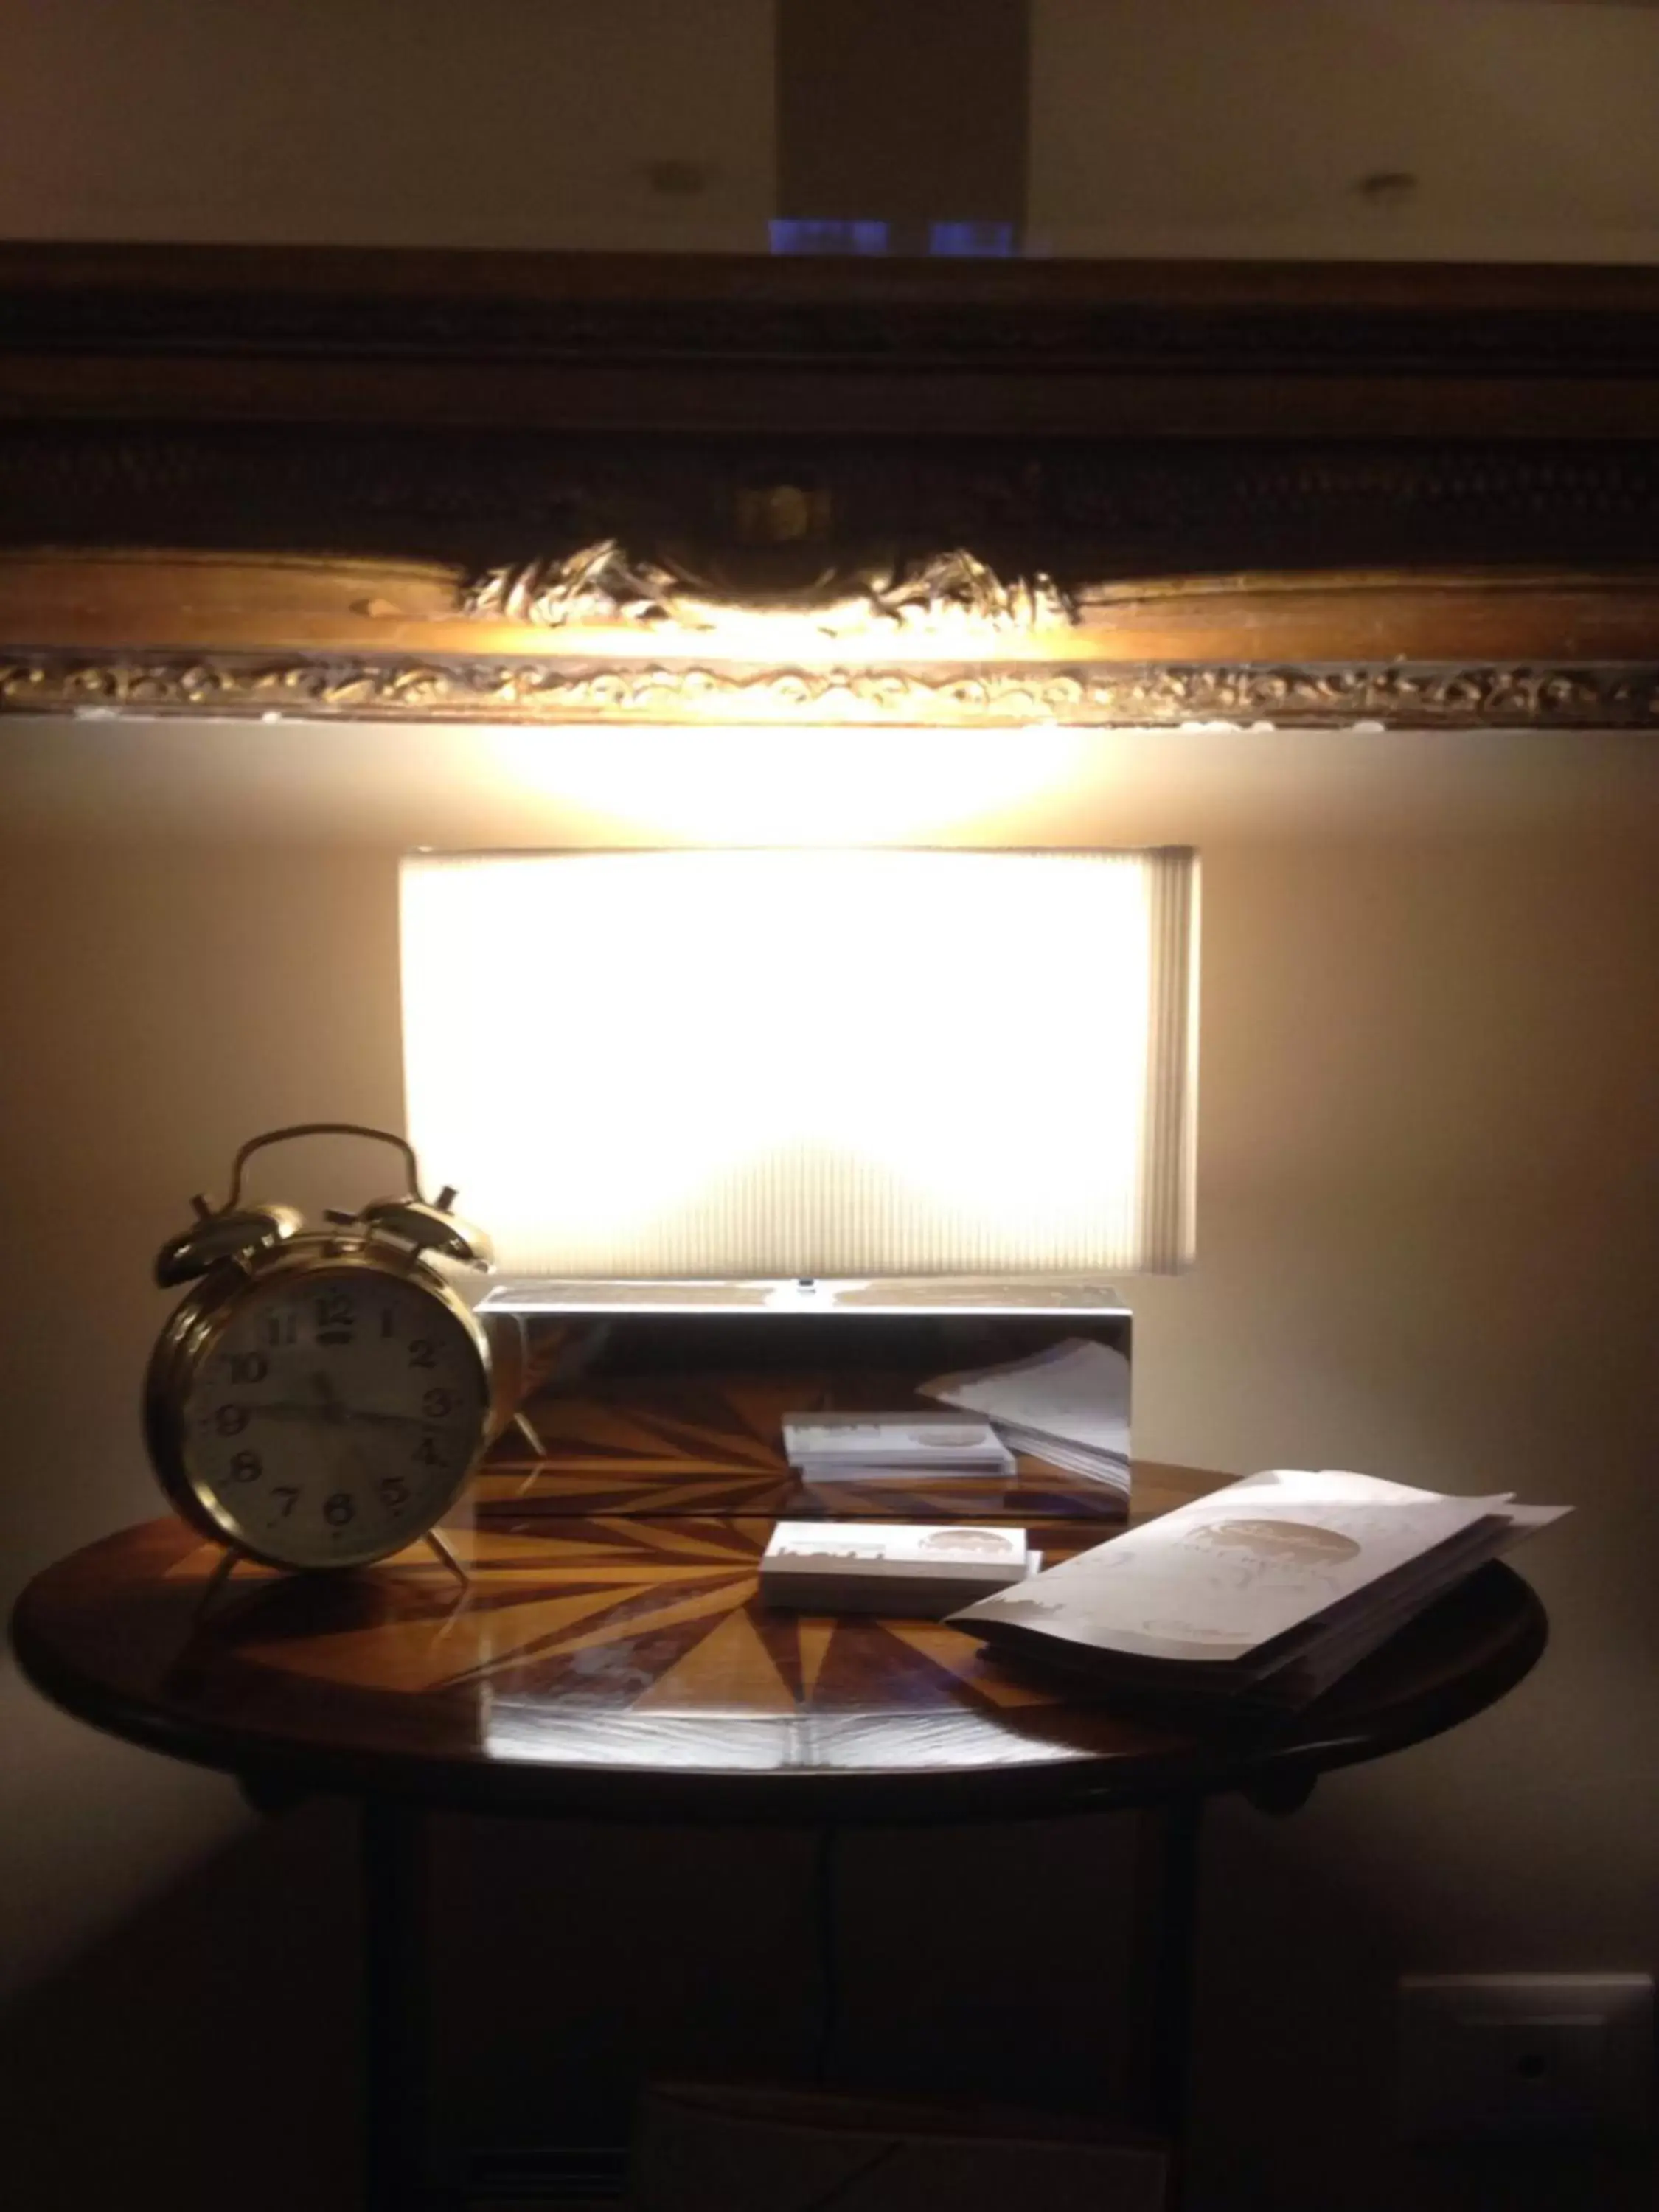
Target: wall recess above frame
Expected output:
[544,489]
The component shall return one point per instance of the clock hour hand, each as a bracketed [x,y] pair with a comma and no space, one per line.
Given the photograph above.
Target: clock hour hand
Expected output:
[330,1402]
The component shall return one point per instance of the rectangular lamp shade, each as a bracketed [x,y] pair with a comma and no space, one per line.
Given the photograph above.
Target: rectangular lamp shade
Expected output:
[734,1065]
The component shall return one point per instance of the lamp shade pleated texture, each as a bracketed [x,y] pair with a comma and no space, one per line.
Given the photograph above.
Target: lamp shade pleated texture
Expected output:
[691,1065]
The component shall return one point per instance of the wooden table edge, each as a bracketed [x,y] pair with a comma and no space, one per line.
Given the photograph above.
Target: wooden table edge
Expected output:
[272,1769]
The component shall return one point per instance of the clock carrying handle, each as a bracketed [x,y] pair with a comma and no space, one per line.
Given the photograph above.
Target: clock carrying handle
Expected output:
[234,1231]
[324,1129]
[427,1226]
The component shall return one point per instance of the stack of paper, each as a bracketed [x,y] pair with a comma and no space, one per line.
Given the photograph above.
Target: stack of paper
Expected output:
[1260,1595]
[854,1447]
[1068,1405]
[891,1567]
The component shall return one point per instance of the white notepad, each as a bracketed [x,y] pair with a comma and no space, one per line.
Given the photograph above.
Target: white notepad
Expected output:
[889,1566]
[894,1444]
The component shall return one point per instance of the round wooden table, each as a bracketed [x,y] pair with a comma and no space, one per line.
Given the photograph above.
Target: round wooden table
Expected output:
[621,1666]
[618,1664]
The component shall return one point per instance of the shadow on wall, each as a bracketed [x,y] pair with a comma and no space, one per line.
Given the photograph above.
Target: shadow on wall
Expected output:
[205,2052]
[1307,1925]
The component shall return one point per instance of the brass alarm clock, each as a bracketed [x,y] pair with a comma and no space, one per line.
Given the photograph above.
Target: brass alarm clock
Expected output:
[321,1397]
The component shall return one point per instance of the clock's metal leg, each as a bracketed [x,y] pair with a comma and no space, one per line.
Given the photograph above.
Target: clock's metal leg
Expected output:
[518,1366]
[448,1559]
[394,2008]
[527,1428]
[216,1580]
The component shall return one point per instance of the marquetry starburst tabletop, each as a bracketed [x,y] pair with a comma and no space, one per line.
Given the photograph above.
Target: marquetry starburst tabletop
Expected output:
[620,1661]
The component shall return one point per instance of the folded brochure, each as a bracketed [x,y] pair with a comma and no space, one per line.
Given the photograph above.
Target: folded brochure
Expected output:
[1266,1591]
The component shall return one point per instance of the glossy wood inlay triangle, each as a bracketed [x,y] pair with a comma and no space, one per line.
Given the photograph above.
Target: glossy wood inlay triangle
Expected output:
[813,1635]
[729,1671]
[685,1540]
[489,1550]
[421,1654]
[706,1495]
[632,1626]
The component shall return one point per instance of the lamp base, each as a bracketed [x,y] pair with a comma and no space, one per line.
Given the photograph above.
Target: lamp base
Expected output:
[668,1396]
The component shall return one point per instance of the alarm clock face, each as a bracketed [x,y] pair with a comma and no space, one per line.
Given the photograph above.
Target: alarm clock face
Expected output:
[322,1414]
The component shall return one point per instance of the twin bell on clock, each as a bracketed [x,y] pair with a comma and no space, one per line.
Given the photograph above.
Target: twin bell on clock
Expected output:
[321,1397]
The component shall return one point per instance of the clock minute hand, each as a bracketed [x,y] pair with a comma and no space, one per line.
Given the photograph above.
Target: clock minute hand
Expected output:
[283,1409]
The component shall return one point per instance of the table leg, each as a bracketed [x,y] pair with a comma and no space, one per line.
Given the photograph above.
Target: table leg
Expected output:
[1161,2009]
[395,2013]
[826,1917]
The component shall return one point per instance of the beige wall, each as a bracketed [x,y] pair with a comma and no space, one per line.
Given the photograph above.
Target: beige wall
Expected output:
[513,123]
[1212,128]
[1229,127]
[1428,1239]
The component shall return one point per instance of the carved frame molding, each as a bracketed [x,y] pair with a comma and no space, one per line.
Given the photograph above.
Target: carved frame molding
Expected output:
[603,636]
[310,687]
[580,488]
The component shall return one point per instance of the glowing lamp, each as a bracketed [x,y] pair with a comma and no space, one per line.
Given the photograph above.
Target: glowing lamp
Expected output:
[703,1066]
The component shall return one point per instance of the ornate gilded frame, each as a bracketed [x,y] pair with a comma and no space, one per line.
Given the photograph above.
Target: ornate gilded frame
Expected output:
[544,489]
